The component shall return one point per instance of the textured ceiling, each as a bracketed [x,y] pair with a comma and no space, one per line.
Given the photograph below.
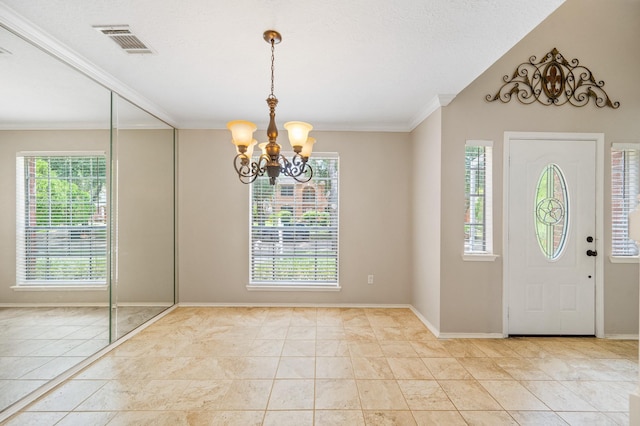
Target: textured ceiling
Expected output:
[342,65]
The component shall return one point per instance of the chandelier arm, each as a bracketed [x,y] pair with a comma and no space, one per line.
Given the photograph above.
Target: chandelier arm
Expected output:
[297,168]
[306,177]
[247,170]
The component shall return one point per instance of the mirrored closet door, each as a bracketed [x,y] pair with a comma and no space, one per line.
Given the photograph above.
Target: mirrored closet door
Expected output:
[86,217]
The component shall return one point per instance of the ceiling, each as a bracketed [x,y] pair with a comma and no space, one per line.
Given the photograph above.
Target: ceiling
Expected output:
[378,65]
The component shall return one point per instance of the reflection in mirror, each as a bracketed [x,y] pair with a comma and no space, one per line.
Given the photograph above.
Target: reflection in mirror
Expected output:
[143,195]
[54,149]
[86,218]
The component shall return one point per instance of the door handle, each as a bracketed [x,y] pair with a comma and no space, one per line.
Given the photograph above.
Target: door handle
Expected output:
[592,252]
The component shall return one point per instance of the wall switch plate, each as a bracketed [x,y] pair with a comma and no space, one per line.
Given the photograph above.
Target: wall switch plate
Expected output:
[370,279]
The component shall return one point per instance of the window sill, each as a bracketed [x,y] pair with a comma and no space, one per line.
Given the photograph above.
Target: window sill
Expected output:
[80,287]
[480,257]
[287,287]
[624,259]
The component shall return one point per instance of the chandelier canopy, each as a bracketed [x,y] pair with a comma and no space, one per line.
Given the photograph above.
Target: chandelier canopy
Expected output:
[271,161]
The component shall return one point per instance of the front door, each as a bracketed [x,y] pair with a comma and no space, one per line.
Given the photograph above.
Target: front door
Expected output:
[551,244]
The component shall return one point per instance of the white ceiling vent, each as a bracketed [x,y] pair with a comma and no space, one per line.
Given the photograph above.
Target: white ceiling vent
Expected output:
[123,36]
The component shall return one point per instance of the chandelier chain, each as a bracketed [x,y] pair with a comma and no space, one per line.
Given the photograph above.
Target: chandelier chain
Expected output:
[272,66]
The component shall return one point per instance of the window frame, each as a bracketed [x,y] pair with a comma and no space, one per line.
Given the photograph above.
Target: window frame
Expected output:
[22,282]
[629,203]
[487,254]
[257,284]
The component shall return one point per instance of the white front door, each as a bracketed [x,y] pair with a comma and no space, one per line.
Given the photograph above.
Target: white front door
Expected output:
[551,243]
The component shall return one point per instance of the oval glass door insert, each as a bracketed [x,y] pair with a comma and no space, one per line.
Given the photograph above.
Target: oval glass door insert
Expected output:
[551,211]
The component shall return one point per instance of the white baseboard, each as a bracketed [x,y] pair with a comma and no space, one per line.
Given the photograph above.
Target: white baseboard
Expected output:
[55,305]
[471,336]
[146,304]
[621,336]
[85,305]
[426,322]
[296,305]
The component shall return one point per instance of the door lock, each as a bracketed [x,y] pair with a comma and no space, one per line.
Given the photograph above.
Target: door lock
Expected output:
[589,239]
[592,252]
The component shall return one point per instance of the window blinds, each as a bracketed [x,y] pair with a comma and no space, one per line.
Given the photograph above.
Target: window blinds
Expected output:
[625,170]
[478,203]
[294,227]
[61,219]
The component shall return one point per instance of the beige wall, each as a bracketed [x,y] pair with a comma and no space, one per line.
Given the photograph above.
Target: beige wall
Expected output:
[145,216]
[375,228]
[427,199]
[604,37]
[12,142]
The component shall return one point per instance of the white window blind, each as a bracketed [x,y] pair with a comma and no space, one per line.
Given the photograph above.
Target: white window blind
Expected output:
[294,228]
[625,171]
[478,221]
[61,219]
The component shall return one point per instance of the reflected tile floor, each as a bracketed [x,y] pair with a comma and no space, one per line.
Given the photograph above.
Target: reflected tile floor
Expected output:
[39,343]
[334,366]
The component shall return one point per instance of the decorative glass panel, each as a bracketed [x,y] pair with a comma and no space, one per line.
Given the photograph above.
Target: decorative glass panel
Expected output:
[551,211]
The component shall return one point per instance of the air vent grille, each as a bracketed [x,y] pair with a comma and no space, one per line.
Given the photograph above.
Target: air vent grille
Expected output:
[122,35]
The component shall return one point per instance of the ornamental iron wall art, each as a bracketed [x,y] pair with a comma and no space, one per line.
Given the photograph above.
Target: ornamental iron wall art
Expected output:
[553,81]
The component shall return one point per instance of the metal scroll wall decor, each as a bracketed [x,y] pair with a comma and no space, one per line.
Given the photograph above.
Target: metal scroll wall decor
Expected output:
[553,81]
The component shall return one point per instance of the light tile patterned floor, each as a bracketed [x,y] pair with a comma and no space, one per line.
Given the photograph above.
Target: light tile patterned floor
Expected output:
[39,343]
[330,366]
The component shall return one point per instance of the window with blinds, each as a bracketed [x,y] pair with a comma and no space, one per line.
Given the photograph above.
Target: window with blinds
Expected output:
[294,228]
[625,170]
[478,203]
[61,213]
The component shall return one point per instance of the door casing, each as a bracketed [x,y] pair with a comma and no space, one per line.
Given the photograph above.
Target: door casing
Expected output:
[599,273]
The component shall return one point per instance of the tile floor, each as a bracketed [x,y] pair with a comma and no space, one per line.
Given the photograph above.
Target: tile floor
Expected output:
[39,343]
[326,366]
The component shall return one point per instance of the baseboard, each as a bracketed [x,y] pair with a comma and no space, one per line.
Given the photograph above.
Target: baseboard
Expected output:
[471,336]
[295,305]
[426,322]
[441,335]
[146,304]
[55,305]
[621,336]
[85,305]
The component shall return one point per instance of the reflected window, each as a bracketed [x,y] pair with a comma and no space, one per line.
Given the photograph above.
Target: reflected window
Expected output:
[61,219]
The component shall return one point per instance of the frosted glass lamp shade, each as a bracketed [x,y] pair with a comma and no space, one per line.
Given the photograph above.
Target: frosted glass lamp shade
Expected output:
[298,132]
[308,147]
[241,132]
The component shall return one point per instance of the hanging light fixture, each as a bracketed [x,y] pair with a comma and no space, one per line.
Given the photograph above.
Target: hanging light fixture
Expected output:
[271,161]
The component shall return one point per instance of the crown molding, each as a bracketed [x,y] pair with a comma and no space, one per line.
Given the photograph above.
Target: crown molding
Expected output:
[436,102]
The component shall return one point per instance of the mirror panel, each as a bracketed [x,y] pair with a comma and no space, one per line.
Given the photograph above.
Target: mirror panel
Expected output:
[143,194]
[47,108]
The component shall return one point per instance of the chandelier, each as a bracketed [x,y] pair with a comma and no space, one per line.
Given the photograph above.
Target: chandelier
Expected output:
[271,161]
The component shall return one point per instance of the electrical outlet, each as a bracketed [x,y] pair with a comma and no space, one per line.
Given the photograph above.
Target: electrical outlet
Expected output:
[370,279]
